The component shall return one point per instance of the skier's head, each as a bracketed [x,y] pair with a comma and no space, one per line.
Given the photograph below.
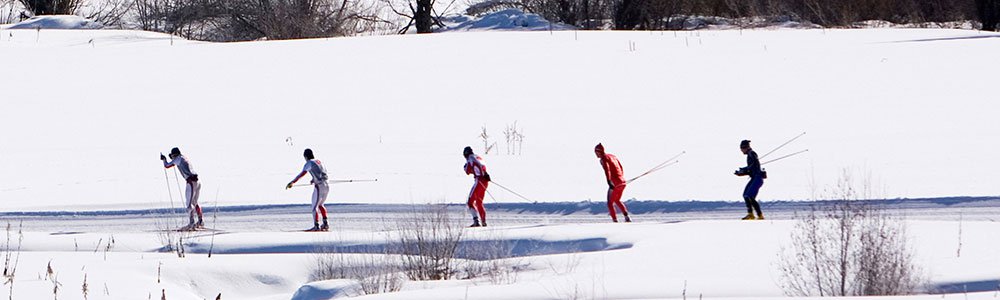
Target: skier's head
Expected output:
[599,150]
[467,151]
[745,146]
[175,152]
[308,154]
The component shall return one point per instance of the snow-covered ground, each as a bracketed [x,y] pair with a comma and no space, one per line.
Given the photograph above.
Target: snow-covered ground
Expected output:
[85,113]
[647,260]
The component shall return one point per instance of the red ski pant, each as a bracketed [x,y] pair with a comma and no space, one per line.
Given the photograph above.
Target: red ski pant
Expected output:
[475,203]
[615,199]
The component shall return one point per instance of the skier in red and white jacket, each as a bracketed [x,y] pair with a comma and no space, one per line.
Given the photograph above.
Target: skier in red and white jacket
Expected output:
[616,182]
[474,166]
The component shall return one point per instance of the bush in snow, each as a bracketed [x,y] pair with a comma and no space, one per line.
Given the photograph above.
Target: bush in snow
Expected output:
[242,20]
[849,248]
[375,271]
[428,243]
[491,257]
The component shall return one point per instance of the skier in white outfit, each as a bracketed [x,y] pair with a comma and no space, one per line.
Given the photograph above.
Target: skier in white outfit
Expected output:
[320,188]
[193,190]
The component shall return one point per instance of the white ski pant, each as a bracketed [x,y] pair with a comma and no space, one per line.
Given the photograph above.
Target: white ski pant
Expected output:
[320,191]
[192,193]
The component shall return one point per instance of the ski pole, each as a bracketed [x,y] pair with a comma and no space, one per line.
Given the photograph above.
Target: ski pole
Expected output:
[334,181]
[667,163]
[169,192]
[512,192]
[784,157]
[782,145]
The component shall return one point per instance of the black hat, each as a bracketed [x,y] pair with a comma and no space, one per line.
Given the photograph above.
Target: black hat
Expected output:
[308,154]
[467,151]
[175,152]
[745,144]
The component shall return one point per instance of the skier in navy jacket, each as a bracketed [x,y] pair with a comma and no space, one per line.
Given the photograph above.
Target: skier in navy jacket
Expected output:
[756,181]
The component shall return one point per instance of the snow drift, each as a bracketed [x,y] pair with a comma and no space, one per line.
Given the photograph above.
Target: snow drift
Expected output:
[57,22]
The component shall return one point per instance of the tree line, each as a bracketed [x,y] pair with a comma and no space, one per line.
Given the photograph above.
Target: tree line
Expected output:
[242,20]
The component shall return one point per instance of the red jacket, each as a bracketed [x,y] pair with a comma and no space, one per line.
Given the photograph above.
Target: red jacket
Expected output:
[474,165]
[613,169]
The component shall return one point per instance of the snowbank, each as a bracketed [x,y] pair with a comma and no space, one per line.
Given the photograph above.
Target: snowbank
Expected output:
[57,22]
[506,20]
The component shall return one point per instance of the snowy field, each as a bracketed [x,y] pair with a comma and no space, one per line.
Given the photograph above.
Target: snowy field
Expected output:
[85,113]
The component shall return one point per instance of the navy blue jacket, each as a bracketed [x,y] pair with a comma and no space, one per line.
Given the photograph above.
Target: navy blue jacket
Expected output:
[753,166]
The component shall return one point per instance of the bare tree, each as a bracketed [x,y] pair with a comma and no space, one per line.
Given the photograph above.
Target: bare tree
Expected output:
[427,244]
[988,12]
[849,247]
[51,7]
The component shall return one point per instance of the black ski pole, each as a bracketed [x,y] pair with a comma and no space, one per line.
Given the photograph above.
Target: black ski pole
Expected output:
[783,145]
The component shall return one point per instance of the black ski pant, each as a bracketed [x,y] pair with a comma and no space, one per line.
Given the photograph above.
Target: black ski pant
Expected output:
[750,194]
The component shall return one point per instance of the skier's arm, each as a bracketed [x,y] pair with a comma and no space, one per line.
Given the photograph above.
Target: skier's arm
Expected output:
[607,172]
[303,173]
[165,163]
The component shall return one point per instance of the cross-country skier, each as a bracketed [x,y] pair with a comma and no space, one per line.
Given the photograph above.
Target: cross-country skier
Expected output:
[320,189]
[474,166]
[193,190]
[756,181]
[616,182]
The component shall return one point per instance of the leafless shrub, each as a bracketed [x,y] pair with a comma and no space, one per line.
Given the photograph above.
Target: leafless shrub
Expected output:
[85,288]
[427,244]
[12,256]
[491,258]
[515,139]
[242,20]
[487,144]
[849,248]
[10,11]
[375,273]
[110,13]
[572,261]
[51,7]
[375,269]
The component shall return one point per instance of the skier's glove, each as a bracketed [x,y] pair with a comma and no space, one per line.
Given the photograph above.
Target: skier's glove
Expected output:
[163,158]
[487,177]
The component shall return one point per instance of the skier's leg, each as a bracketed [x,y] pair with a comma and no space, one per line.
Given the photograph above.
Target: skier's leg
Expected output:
[324,191]
[611,205]
[471,204]
[746,197]
[189,195]
[617,195]
[315,205]
[196,191]
[757,183]
[479,196]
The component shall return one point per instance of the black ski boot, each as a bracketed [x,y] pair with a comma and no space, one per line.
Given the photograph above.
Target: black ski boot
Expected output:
[315,227]
[475,223]
[627,219]
[325,226]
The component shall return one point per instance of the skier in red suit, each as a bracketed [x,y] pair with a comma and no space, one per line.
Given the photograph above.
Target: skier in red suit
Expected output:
[616,182]
[474,166]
